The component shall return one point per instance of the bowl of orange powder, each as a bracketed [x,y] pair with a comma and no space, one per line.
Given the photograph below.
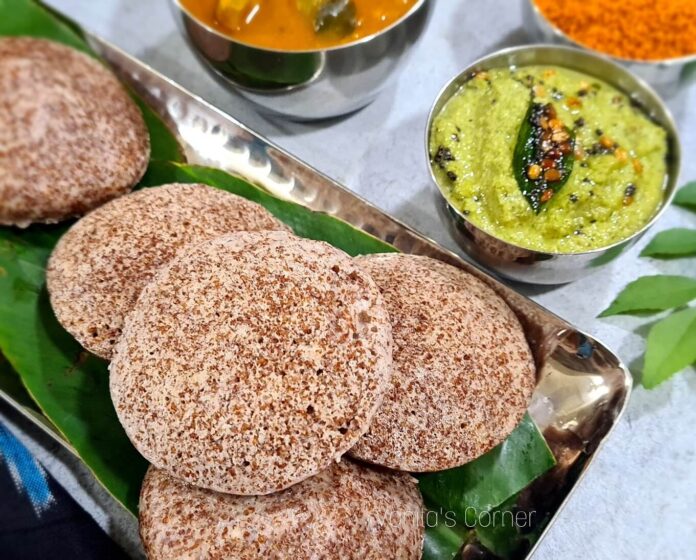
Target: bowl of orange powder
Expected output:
[655,39]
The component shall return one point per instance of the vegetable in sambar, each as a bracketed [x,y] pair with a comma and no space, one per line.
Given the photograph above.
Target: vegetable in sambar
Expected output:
[549,159]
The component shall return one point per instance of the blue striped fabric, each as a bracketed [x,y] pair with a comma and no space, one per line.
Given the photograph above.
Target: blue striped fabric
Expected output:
[28,475]
[38,518]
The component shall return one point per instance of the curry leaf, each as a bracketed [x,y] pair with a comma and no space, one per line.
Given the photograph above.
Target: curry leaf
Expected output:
[493,478]
[530,153]
[676,242]
[671,347]
[652,294]
[686,196]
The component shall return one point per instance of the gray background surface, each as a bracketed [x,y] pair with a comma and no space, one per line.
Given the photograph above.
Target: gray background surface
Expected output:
[639,498]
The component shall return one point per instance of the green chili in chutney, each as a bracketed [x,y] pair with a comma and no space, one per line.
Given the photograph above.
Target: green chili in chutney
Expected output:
[549,159]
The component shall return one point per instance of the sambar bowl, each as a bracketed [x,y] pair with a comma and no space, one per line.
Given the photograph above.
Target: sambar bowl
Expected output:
[527,265]
[310,84]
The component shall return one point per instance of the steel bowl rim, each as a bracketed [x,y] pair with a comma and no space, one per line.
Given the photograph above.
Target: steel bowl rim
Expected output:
[415,8]
[677,61]
[673,141]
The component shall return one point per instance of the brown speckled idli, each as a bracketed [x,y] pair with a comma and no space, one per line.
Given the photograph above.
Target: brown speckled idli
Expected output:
[252,361]
[347,511]
[463,371]
[70,136]
[99,267]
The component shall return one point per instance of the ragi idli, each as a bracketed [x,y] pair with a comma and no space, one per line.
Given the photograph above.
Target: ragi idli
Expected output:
[346,511]
[463,372]
[99,267]
[252,361]
[71,138]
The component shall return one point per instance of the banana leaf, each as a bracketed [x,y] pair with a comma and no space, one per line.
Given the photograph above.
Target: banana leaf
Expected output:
[444,538]
[503,538]
[491,479]
[25,17]
[11,386]
[69,385]
[462,500]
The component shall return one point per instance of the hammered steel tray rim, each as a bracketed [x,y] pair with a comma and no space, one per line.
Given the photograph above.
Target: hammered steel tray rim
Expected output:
[561,328]
[628,385]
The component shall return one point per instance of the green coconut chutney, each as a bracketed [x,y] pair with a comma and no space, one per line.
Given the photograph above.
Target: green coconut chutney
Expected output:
[618,173]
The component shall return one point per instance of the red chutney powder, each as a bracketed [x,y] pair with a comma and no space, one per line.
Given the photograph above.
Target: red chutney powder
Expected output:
[632,29]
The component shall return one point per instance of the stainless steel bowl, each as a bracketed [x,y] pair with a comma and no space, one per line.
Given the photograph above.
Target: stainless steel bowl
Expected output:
[306,85]
[526,265]
[664,75]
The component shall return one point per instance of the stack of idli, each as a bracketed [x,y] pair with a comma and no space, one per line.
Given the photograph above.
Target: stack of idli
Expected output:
[281,390]
[245,363]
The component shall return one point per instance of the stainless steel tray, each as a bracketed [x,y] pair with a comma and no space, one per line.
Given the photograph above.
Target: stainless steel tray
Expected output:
[583,388]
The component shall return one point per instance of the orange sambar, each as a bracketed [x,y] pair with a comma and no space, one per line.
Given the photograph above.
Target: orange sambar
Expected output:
[280,25]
